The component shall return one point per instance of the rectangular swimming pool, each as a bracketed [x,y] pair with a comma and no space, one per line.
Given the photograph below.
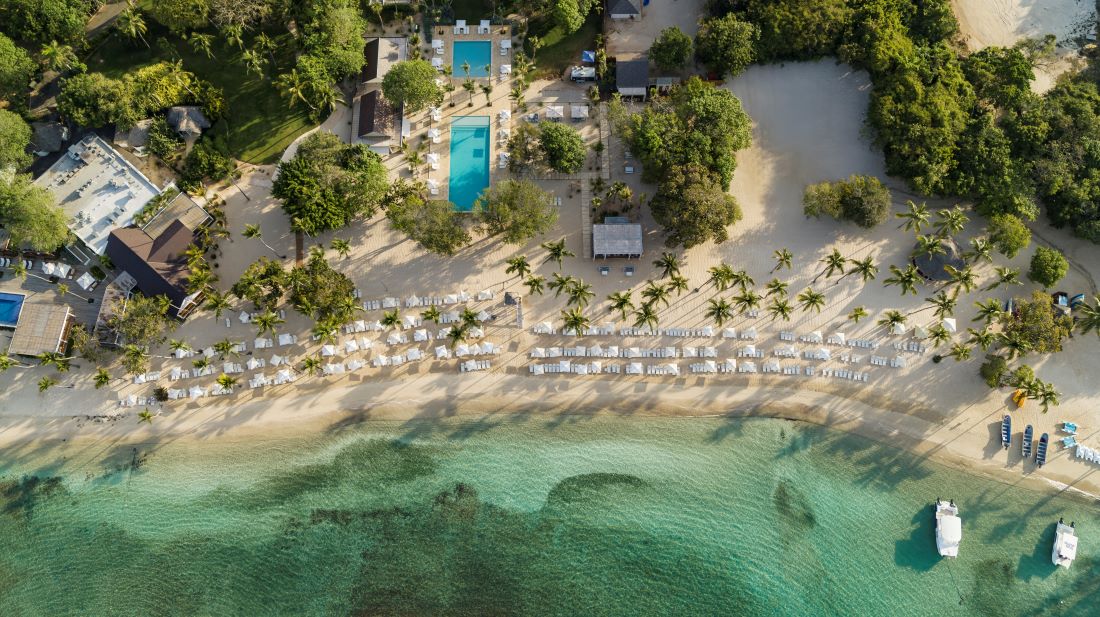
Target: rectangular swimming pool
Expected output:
[469,160]
[478,53]
[10,307]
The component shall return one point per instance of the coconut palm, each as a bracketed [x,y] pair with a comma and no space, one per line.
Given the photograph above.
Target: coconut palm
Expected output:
[518,266]
[457,334]
[101,378]
[962,278]
[834,262]
[135,359]
[227,382]
[560,283]
[57,56]
[145,416]
[865,268]
[517,94]
[811,300]
[646,317]
[46,383]
[777,288]
[943,304]
[468,318]
[254,62]
[1046,396]
[202,363]
[742,280]
[391,319]
[1005,276]
[431,314]
[55,359]
[217,302]
[721,276]
[950,222]
[982,338]
[311,365]
[341,246]
[930,246]
[293,86]
[179,345]
[857,313]
[225,347]
[7,362]
[202,43]
[575,320]
[988,310]
[906,279]
[1088,317]
[747,301]
[980,250]
[557,251]
[317,251]
[266,322]
[654,293]
[131,24]
[938,335]
[720,310]
[621,301]
[916,217]
[535,285]
[580,294]
[892,318]
[780,307]
[1014,344]
[678,283]
[783,258]
[325,331]
[960,352]
[668,264]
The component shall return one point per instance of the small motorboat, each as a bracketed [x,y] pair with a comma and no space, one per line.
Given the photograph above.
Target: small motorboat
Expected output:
[1065,545]
[1041,450]
[1006,431]
[948,528]
[1070,428]
[1029,433]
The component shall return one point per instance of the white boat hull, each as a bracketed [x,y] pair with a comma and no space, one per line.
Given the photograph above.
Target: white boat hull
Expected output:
[948,529]
[1065,545]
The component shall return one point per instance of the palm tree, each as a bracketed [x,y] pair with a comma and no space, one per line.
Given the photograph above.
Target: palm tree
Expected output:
[227,382]
[7,362]
[217,302]
[487,90]
[293,86]
[721,276]
[317,251]
[982,338]
[938,335]
[179,345]
[857,313]
[943,303]
[376,8]
[431,314]
[518,266]
[980,250]
[325,331]
[645,316]
[560,283]
[448,85]
[834,262]
[963,278]
[1046,396]
[470,87]
[988,310]
[311,365]
[55,359]
[960,352]
[225,347]
[746,301]
[266,322]
[534,285]
[720,310]
[654,293]
[575,320]
[391,319]
[202,363]
[46,383]
[916,217]
[668,263]
[906,279]
[469,318]
[780,307]
[254,62]
[101,378]
[1005,276]
[950,222]
[777,288]
[341,246]
[865,268]
[557,251]
[1015,345]
[135,359]
[145,416]
[580,293]
[1088,318]
[783,259]
[457,334]
[811,300]
[678,283]
[131,24]
[930,246]
[57,56]
[742,280]
[517,95]
[203,43]
[892,318]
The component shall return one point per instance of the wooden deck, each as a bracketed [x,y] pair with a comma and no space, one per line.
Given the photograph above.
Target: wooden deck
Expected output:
[39,290]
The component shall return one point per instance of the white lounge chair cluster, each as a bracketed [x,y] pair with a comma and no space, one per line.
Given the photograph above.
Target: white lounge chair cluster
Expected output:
[747,334]
[568,366]
[474,365]
[689,332]
[910,346]
[136,401]
[600,330]
[845,374]
[750,351]
[147,377]
[1090,455]
[486,348]
[895,362]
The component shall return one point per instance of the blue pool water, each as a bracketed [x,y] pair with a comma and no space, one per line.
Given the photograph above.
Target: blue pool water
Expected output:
[478,53]
[469,160]
[10,305]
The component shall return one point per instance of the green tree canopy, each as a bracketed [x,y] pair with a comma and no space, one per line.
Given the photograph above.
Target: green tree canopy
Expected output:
[264,282]
[412,83]
[796,29]
[30,214]
[693,208]
[15,136]
[323,293]
[726,44]
[433,224]
[516,210]
[1036,324]
[141,320]
[562,147]
[570,14]
[16,70]
[1008,234]
[42,21]
[93,99]
[863,200]
[671,50]
[182,15]
[1048,266]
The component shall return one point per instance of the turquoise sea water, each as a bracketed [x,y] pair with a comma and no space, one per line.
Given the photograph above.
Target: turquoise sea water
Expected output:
[527,515]
[478,53]
[469,160]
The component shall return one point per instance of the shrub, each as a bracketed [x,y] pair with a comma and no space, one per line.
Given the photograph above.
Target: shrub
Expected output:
[863,200]
[562,146]
[1048,266]
[1008,234]
[993,370]
[671,49]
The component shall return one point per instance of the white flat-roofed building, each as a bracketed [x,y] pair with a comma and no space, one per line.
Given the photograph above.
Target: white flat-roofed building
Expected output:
[98,190]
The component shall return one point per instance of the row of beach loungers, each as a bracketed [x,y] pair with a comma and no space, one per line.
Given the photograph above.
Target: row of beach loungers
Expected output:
[746,351]
[746,334]
[461,297]
[671,368]
[1090,455]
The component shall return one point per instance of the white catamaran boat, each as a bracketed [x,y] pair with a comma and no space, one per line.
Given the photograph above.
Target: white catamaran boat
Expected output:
[1065,545]
[948,528]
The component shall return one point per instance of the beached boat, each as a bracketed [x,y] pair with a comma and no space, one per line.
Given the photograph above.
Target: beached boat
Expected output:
[1019,397]
[948,528]
[1065,545]
[1041,450]
[1029,433]
[1006,431]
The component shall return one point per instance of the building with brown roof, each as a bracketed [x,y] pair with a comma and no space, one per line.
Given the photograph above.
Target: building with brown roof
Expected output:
[376,123]
[158,265]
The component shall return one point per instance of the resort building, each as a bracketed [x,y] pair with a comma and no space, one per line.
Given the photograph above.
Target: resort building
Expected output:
[632,78]
[152,258]
[374,122]
[41,328]
[98,190]
[624,9]
[616,239]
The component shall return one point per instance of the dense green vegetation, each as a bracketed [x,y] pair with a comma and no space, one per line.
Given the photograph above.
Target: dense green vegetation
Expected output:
[562,147]
[30,215]
[552,48]
[1048,266]
[863,200]
[412,83]
[671,49]
[516,210]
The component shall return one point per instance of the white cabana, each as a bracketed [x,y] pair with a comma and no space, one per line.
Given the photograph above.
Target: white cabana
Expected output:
[420,335]
[462,350]
[504,115]
[414,354]
[949,324]
[196,392]
[442,353]
[333,369]
[254,363]
[86,281]
[555,112]
[578,112]
[394,338]
[823,354]
[434,134]
[328,351]
[436,114]
[410,321]
[485,294]
[356,364]
[277,360]
[634,368]
[898,328]
[262,343]
[284,376]
[351,346]
[287,339]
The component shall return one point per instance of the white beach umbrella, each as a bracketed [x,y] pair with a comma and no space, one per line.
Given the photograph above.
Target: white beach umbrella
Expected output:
[253,364]
[432,184]
[555,112]
[433,133]
[505,114]
[441,352]
[949,324]
[899,328]
[505,69]
[432,158]
[327,351]
[414,354]
[634,368]
[350,346]
[420,335]
[196,392]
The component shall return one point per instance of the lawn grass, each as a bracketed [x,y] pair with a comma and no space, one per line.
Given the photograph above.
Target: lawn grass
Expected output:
[472,9]
[560,51]
[259,124]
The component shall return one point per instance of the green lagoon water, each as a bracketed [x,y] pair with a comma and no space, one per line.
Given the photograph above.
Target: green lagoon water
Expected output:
[528,515]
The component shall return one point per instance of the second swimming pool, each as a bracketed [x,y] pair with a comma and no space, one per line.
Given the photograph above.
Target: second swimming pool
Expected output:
[469,160]
[10,307]
[478,53]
